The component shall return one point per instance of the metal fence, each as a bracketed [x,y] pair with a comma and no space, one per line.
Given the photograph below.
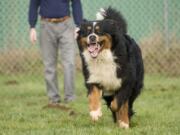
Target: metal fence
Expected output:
[154,24]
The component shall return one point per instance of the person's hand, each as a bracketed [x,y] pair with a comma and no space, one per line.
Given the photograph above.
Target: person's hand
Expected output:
[33,35]
[76,32]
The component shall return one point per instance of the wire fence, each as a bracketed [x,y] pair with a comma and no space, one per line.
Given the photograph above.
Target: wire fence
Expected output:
[155,25]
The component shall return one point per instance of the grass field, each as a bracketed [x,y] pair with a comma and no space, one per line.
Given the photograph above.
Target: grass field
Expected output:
[21,110]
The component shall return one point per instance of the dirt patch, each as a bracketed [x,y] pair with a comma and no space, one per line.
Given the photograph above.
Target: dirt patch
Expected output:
[11,82]
[70,111]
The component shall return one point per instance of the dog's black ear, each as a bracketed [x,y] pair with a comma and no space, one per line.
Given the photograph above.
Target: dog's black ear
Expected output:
[109,26]
[85,20]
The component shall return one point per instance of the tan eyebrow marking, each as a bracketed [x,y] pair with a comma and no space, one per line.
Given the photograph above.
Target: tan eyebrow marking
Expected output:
[89,27]
[97,27]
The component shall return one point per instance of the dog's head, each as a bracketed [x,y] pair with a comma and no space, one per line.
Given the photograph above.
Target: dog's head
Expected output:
[96,36]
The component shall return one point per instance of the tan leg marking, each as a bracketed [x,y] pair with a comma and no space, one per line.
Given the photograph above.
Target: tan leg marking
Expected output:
[95,103]
[114,105]
[122,116]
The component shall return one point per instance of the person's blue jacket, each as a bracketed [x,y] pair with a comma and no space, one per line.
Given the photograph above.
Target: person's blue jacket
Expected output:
[54,9]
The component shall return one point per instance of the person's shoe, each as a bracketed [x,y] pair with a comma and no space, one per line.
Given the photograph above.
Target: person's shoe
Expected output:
[57,105]
[68,100]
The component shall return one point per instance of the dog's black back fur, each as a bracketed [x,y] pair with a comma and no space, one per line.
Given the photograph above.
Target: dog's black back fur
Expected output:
[130,59]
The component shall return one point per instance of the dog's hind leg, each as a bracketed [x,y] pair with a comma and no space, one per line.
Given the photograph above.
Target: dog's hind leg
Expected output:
[114,105]
[111,103]
[122,116]
[95,103]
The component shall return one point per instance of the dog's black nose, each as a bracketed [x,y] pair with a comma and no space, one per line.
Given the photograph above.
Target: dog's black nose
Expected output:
[92,38]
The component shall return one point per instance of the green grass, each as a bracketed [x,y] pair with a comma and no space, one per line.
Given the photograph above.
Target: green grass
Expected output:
[22,99]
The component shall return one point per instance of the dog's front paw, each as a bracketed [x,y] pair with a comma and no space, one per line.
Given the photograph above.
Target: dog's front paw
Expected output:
[95,115]
[124,125]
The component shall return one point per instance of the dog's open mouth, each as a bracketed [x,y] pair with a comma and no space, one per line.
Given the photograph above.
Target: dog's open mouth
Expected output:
[94,49]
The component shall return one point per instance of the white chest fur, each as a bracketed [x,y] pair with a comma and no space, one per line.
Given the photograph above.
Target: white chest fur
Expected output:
[103,70]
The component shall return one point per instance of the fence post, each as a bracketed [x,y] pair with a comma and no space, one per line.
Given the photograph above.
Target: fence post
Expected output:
[166,28]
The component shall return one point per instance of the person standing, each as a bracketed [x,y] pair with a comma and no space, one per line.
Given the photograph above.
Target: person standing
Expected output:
[56,33]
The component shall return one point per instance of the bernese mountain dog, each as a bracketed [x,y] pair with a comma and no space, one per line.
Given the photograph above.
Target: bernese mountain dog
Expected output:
[112,65]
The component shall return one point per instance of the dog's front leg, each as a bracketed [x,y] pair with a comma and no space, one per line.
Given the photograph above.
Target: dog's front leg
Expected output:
[94,97]
[122,116]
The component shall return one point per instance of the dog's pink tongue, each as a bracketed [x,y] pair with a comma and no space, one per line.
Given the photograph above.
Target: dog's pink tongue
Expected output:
[93,50]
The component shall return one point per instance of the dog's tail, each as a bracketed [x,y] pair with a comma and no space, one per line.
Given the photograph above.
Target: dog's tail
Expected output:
[113,14]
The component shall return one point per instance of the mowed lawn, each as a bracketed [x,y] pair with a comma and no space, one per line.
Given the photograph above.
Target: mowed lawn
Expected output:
[22,101]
